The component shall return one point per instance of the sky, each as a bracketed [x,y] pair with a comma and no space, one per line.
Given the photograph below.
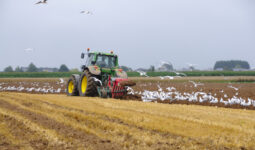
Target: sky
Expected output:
[140,32]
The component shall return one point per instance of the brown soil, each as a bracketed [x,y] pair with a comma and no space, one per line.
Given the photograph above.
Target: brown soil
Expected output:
[218,90]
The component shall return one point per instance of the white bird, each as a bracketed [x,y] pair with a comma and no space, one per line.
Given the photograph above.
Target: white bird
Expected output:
[214,101]
[58,90]
[169,77]
[142,73]
[130,91]
[61,80]
[230,86]
[97,80]
[159,88]
[178,74]
[196,84]
[41,2]
[86,12]
[171,88]
[162,78]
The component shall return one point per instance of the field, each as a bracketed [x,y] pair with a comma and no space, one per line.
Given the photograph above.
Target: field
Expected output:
[235,92]
[158,113]
[130,74]
[36,121]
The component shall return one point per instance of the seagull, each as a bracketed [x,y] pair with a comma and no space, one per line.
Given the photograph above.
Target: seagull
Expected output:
[42,2]
[178,74]
[162,78]
[61,80]
[130,91]
[86,12]
[169,77]
[196,84]
[143,73]
[97,80]
[230,86]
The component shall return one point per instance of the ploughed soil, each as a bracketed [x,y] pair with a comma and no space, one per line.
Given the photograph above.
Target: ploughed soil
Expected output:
[220,90]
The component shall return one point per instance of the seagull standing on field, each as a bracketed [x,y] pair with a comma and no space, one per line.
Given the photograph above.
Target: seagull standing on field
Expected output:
[142,73]
[42,2]
[196,84]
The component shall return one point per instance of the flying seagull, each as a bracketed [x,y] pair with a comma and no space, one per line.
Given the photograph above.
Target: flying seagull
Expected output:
[86,12]
[42,2]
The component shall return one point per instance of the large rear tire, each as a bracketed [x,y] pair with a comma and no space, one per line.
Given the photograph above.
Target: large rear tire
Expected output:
[87,85]
[71,87]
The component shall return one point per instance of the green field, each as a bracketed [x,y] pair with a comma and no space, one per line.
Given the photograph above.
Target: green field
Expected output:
[130,74]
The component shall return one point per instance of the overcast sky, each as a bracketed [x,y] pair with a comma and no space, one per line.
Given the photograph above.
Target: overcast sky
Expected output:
[141,32]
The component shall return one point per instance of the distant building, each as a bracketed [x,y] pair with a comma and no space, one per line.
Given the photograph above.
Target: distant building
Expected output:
[165,66]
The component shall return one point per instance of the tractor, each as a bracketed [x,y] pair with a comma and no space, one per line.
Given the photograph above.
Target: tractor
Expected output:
[101,76]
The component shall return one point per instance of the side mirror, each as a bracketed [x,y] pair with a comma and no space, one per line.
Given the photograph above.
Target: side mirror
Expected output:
[82,55]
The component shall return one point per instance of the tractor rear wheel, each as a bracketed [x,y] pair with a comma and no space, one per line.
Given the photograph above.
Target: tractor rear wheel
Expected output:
[87,85]
[71,87]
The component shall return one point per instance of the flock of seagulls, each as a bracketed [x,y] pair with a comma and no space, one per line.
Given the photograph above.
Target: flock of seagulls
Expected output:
[34,87]
[201,97]
[178,75]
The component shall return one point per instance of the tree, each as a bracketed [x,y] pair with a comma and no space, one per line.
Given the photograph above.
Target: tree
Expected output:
[8,69]
[63,68]
[32,68]
[125,68]
[18,69]
[152,68]
[231,65]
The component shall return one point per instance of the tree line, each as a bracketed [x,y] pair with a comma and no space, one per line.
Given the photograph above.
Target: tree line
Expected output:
[231,65]
[32,68]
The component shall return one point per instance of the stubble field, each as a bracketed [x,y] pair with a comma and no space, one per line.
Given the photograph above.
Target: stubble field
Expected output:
[36,121]
[36,114]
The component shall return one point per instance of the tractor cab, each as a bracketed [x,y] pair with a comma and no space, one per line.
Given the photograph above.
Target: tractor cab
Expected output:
[102,60]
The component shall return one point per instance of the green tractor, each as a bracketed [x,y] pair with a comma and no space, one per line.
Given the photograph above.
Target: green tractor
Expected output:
[101,76]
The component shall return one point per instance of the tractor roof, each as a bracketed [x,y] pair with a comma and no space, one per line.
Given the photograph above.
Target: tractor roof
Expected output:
[100,53]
